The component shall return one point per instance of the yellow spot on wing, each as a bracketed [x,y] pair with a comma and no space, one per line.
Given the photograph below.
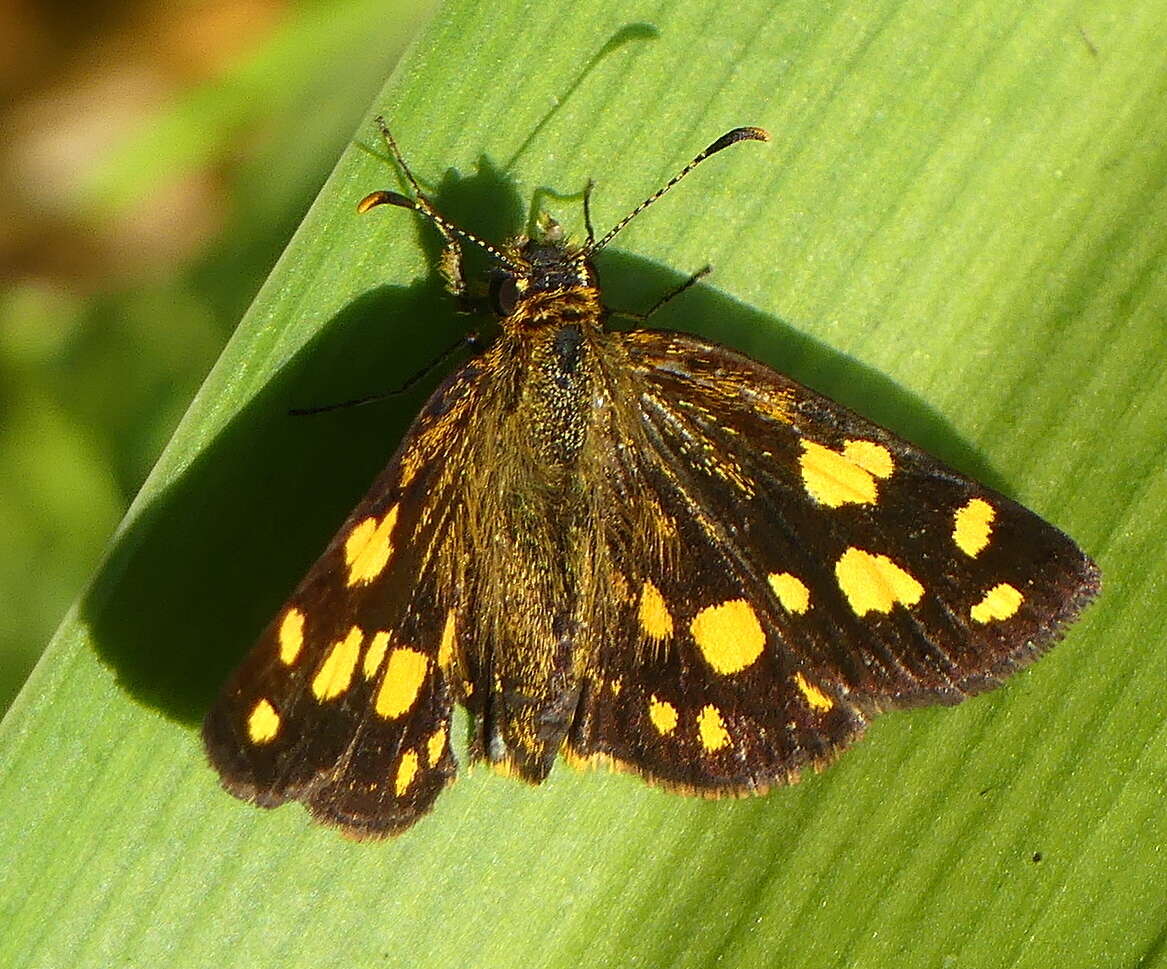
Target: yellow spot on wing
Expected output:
[291,636]
[870,456]
[973,524]
[446,647]
[406,772]
[815,698]
[791,591]
[435,746]
[874,583]
[336,672]
[663,715]
[368,548]
[374,654]
[403,677]
[655,619]
[1000,602]
[714,736]
[264,723]
[835,479]
[730,636]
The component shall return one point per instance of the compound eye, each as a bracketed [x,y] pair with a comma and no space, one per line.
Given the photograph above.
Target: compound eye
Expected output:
[505,295]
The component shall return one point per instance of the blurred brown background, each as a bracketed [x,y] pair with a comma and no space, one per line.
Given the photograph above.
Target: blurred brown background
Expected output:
[154,161]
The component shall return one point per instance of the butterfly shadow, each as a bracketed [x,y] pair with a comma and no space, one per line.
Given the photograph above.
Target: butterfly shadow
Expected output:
[191,582]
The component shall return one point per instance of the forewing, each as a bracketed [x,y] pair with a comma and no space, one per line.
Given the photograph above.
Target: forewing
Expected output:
[345,701]
[821,570]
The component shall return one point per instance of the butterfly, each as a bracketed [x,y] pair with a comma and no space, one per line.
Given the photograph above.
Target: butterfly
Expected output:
[634,548]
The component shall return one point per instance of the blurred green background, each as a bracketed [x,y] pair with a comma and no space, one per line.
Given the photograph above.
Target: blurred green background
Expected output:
[156,160]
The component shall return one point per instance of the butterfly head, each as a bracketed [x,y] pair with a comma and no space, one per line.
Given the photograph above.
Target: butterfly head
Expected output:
[538,270]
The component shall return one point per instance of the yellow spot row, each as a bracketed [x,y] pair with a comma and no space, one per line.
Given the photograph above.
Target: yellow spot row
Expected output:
[403,676]
[729,634]
[410,764]
[874,583]
[710,726]
[405,673]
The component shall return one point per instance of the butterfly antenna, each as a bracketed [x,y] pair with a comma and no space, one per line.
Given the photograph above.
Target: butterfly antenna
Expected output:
[727,139]
[422,205]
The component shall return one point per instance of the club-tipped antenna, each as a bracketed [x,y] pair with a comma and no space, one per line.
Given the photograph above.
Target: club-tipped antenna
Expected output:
[422,205]
[727,139]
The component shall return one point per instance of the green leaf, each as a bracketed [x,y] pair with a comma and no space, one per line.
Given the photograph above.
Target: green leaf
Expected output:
[958,230]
